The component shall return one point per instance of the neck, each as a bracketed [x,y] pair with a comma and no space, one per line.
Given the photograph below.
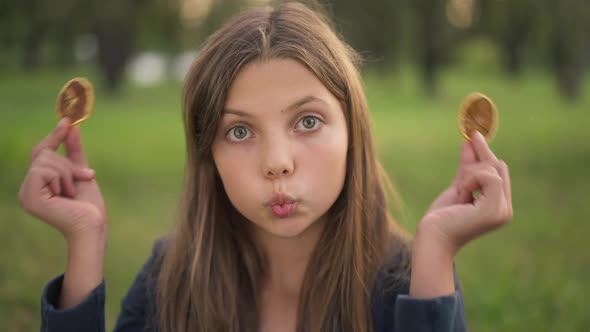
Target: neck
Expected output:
[287,260]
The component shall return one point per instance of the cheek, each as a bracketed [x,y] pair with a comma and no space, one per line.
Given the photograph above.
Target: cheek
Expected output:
[235,167]
[324,166]
[232,162]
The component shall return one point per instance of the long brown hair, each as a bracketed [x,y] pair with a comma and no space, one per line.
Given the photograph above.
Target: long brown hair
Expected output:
[210,271]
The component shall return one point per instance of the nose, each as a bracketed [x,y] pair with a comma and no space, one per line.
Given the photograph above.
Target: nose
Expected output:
[277,159]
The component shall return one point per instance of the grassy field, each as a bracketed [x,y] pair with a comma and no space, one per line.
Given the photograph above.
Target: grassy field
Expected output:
[530,276]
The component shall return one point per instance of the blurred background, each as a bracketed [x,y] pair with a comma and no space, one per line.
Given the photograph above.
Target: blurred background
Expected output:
[422,57]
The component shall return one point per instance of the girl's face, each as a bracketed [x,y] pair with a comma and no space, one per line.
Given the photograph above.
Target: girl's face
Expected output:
[281,146]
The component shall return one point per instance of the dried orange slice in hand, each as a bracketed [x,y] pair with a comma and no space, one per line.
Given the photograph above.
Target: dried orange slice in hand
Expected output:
[75,100]
[478,112]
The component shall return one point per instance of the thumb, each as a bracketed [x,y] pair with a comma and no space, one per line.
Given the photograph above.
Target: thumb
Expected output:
[74,149]
[468,157]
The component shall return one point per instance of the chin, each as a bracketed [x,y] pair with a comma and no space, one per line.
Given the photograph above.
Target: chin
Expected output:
[291,227]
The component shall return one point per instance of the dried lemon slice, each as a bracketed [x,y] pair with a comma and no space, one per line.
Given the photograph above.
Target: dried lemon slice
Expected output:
[75,100]
[478,112]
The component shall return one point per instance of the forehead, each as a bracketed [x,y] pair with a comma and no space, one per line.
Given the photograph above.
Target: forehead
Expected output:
[274,84]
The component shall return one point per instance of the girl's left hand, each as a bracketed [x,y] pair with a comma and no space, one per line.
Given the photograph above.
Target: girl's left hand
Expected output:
[459,215]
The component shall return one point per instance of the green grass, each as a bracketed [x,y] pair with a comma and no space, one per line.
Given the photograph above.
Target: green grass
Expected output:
[529,276]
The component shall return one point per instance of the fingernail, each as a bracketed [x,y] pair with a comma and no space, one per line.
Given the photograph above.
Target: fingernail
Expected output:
[88,171]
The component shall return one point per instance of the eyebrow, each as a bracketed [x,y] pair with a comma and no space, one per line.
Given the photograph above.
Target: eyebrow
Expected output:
[295,105]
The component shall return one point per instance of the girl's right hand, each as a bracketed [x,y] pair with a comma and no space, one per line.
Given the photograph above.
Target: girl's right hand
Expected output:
[61,190]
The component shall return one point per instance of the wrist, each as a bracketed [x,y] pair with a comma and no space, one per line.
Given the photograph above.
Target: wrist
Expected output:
[430,237]
[86,251]
[94,237]
[85,267]
[430,254]
[432,267]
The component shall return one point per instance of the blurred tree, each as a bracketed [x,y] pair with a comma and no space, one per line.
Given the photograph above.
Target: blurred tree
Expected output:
[115,29]
[44,29]
[373,27]
[433,39]
[70,19]
[34,13]
[28,25]
[8,32]
[220,11]
[555,33]
[510,24]
[159,26]
[122,27]
[568,40]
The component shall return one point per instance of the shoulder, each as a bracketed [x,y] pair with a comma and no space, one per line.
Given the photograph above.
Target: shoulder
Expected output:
[392,279]
[151,265]
[151,268]
[391,301]
[143,287]
[138,304]
[149,271]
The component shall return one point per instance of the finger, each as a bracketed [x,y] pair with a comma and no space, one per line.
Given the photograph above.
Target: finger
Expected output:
[63,168]
[467,158]
[481,148]
[48,157]
[492,201]
[502,169]
[53,140]
[74,149]
[470,184]
[39,178]
[40,196]
[67,171]
[505,175]
[55,185]
[64,178]
[83,173]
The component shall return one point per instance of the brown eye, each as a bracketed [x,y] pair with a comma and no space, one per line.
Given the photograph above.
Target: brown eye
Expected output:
[238,133]
[308,123]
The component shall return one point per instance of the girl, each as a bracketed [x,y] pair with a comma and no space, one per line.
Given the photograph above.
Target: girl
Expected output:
[284,224]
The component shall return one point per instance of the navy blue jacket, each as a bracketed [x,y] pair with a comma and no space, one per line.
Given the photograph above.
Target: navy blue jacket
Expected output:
[392,312]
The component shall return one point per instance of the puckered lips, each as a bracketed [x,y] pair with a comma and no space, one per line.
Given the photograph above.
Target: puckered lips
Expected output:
[282,205]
